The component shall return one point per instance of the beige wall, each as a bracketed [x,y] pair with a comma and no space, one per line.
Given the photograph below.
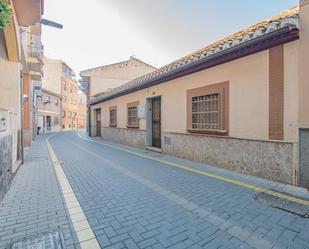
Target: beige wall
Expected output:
[100,84]
[52,75]
[249,97]
[291,94]
[49,109]
[10,94]
[304,65]
[81,110]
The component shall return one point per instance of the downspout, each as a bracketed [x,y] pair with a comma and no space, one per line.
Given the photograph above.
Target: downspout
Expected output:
[22,118]
[89,120]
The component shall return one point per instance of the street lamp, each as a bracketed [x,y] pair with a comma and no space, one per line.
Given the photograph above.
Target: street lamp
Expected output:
[51,24]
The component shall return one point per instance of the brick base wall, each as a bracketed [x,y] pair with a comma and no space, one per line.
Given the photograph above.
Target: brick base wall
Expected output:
[131,137]
[266,159]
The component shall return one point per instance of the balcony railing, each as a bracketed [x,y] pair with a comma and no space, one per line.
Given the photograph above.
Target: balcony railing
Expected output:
[36,51]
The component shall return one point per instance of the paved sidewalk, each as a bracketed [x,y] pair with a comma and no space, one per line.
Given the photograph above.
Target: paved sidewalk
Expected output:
[34,204]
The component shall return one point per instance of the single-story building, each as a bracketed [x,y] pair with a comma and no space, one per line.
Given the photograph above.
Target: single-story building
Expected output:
[239,104]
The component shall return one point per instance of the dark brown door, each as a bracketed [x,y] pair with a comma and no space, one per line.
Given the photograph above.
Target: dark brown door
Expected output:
[156,122]
[98,121]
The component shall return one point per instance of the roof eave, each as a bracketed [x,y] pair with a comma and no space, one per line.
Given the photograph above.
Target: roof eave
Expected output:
[267,41]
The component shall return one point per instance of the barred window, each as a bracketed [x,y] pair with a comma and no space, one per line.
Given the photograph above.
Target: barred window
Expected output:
[205,112]
[208,109]
[56,120]
[132,116]
[113,117]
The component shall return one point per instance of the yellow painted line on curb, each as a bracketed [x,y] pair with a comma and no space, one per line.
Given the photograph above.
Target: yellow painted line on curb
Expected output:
[85,234]
[211,175]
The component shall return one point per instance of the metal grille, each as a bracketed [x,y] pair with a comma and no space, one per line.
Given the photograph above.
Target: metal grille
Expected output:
[52,240]
[132,116]
[156,122]
[112,117]
[205,112]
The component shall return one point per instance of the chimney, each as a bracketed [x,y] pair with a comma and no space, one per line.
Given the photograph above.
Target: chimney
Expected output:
[304,64]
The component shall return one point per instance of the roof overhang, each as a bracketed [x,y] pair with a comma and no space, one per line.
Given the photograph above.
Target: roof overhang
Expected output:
[267,41]
[12,40]
[28,12]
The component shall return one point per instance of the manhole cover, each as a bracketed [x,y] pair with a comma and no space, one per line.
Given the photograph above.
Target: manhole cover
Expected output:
[50,240]
[286,205]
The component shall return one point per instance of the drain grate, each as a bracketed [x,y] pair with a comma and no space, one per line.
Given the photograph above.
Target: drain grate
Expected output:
[286,205]
[50,240]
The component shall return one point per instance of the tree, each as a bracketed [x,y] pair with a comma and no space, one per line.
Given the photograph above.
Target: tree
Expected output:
[5,15]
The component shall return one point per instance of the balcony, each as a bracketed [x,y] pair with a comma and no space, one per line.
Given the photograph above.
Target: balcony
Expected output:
[36,51]
[34,60]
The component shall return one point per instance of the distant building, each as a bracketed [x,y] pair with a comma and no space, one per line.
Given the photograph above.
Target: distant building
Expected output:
[107,77]
[81,110]
[97,81]
[49,104]
[240,103]
[59,79]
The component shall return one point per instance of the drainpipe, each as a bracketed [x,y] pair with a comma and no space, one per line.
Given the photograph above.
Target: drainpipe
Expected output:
[89,120]
[22,117]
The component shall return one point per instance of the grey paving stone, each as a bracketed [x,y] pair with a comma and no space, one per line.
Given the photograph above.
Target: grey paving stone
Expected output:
[133,201]
[146,243]
[34,204]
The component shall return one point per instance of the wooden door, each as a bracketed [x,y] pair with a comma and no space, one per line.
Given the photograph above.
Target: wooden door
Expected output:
[98,122]
[156,122]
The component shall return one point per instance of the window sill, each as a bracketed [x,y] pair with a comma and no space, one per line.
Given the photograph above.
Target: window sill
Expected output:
[114,126]
[210,132]
[133,126]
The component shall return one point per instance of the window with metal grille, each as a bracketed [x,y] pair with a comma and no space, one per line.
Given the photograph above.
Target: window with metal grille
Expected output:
[113,117]
[205,112]
[132,116]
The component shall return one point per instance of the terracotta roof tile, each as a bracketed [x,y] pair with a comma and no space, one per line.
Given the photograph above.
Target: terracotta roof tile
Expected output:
[288,17]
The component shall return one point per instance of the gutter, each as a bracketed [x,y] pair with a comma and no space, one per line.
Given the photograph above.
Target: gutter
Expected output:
[267,41]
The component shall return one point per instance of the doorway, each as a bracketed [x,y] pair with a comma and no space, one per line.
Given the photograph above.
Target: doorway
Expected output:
[48,123]
[156,122]
[98,122]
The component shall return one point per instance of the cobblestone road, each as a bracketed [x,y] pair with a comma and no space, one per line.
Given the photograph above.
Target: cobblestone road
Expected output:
[131,201]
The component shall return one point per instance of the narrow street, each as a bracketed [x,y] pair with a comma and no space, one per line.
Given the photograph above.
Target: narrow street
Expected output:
[132,198]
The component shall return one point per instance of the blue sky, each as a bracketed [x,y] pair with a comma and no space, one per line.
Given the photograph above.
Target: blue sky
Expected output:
[99,32]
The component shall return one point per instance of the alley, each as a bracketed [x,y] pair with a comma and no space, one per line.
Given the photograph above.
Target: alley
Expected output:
[132,198]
